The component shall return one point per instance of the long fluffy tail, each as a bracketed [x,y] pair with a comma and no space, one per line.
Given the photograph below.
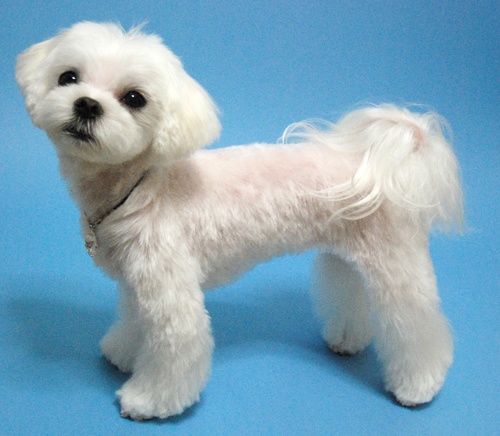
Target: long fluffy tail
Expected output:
[406,160]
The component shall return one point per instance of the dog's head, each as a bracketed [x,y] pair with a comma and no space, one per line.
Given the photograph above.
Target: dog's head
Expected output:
[105,95]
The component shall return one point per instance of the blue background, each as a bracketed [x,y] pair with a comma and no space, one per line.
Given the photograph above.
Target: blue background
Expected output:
[266,64]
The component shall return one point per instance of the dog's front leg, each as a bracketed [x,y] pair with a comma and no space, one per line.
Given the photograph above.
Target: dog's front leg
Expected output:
[121,343]
[173,361]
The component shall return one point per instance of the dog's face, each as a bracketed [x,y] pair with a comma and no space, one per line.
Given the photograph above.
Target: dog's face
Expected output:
[106,96]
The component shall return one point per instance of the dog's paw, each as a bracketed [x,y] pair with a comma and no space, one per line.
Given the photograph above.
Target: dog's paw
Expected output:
[348,347]
[416,373]
[140,401]
[341,351]
[415,390]
[349,338]
[118,349]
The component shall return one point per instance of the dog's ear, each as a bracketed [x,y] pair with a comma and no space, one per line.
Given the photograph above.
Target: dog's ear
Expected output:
[190,121]
[28,74]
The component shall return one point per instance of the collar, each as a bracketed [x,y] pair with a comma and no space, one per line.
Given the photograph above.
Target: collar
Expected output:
[90,237]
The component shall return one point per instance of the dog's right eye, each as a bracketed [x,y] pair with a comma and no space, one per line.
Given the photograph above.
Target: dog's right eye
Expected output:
[68,78]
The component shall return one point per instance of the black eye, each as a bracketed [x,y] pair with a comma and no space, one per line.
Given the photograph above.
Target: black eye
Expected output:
[134,100]
[68,78]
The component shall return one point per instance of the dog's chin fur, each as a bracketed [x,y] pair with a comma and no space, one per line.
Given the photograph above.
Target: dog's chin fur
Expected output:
[365,191]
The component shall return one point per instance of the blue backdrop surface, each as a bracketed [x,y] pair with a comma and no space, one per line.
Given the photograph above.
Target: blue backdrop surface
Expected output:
[266,64]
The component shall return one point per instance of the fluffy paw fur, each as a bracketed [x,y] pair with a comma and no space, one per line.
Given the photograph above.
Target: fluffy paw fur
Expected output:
[119,346]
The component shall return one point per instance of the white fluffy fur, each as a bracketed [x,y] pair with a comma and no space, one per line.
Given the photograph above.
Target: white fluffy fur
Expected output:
[365,191]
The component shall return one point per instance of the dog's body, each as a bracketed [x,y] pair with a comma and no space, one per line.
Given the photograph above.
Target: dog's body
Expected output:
[170,222]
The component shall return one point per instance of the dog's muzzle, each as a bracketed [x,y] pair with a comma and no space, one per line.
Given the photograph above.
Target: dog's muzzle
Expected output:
[86,111]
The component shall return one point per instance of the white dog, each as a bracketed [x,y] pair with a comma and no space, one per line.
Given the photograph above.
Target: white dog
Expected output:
[167,222]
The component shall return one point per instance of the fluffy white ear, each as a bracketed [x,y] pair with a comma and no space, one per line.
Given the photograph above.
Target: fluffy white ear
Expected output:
[190,123]
[28,75]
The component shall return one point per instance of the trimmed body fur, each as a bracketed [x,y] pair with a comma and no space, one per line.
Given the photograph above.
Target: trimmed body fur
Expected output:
[366,192]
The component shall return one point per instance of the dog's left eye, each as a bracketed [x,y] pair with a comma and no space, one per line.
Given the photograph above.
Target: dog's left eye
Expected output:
[68,78]
[134,100]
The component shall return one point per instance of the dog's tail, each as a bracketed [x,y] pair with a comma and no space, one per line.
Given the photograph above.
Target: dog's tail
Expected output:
[406,160]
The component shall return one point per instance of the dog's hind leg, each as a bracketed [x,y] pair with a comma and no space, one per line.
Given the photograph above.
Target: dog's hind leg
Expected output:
[412,336]
[341,302]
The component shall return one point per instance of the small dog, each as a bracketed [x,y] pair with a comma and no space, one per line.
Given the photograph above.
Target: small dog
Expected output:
[166,221]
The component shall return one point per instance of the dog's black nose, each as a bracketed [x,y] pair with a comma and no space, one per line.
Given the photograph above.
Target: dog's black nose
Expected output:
[87,108]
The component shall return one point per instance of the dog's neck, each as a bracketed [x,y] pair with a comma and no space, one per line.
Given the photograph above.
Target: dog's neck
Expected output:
[98,188]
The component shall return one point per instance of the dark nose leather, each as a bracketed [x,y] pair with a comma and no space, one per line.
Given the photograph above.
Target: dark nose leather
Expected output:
[87,108]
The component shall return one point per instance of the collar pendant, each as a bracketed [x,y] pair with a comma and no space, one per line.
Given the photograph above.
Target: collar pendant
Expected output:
[91,242]
[90,237]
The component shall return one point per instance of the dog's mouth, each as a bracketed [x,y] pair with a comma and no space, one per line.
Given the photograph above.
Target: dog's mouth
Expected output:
[79,131]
